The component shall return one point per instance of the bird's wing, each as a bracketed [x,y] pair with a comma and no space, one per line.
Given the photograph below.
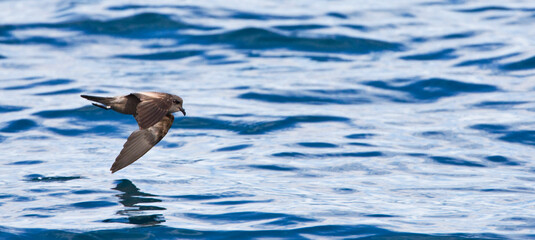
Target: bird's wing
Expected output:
[152,108]
[140,142]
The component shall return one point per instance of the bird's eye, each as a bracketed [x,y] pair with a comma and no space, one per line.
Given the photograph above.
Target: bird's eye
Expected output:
[175,101]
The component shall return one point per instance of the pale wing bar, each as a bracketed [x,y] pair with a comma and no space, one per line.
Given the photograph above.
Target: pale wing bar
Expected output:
[152,108]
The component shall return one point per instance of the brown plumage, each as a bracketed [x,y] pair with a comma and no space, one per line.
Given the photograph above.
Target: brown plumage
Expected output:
[153,113]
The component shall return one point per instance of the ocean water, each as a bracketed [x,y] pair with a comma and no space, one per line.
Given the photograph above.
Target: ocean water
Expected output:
[410,119]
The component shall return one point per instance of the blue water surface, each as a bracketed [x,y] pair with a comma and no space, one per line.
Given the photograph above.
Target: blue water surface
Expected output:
[410,119]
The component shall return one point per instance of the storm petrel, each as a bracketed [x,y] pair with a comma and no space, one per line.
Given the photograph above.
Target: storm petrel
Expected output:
[153,113]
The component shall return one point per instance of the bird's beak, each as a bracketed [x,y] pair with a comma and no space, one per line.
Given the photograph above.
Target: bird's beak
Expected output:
[183,111]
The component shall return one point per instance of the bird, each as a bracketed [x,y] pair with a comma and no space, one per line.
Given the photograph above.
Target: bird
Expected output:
[153,112]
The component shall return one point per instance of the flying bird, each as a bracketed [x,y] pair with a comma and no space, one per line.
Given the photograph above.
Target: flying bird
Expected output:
[153,113]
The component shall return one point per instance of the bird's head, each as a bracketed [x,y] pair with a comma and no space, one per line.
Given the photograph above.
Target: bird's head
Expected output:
[177,105]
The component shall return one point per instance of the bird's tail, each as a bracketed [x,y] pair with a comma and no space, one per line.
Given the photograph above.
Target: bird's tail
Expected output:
[104,100]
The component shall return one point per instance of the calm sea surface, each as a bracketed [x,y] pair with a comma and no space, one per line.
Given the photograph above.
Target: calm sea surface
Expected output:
[306,119]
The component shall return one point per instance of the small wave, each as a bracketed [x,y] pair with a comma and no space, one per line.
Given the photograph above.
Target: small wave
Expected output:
[144,220]
[280,218]
[20,125]
[326,59]
[146,25]
[141,25]
[347,96]
[356,167]
[247,128]
[87,113]
[53,82]
[526,137]
[327,155]
[202,197]
[274,167]
[124,7]
[361,144]
[171,55]
[238,202]
[344,190]
[430,90]
[300,27]
[490,128]
[360,136]
[361,28]
[61,92]
[499,104]
[36,40]
[102,130]
[445,54]
[502,160]
[233,148]
[484,47]
[41,178]
[165,232]
[8,108]
[484,9]
[317,145]
[27,162]
[455,161]
[484,62]
[525,64]
[93,204]
[257,38]
[337,15]
[458,35]
[233,14]
[36,216]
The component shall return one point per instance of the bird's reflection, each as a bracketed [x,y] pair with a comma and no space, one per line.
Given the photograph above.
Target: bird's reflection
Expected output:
[135,213]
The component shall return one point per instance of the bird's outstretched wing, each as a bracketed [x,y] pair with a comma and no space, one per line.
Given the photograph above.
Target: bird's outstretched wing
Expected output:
[141,141]
[152,108]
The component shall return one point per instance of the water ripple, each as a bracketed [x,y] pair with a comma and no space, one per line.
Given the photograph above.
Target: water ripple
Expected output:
[526,137]
[257,38]
[278,218]
[41,178]
[524,64]
[143,25]
[27,162]
[87,113]
[329,155]
[253,127]
[164,232]
[171,55]
[455,161]
[203,197]
[445,54]
[233,148]
[430,90]
[61,92]
[19,126]
[53,82]
[274,167]
[499,104]
[502,160]
[346,96]
[7,108]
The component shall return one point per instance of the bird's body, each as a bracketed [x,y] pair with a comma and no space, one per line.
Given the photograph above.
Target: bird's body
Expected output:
[153,113]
